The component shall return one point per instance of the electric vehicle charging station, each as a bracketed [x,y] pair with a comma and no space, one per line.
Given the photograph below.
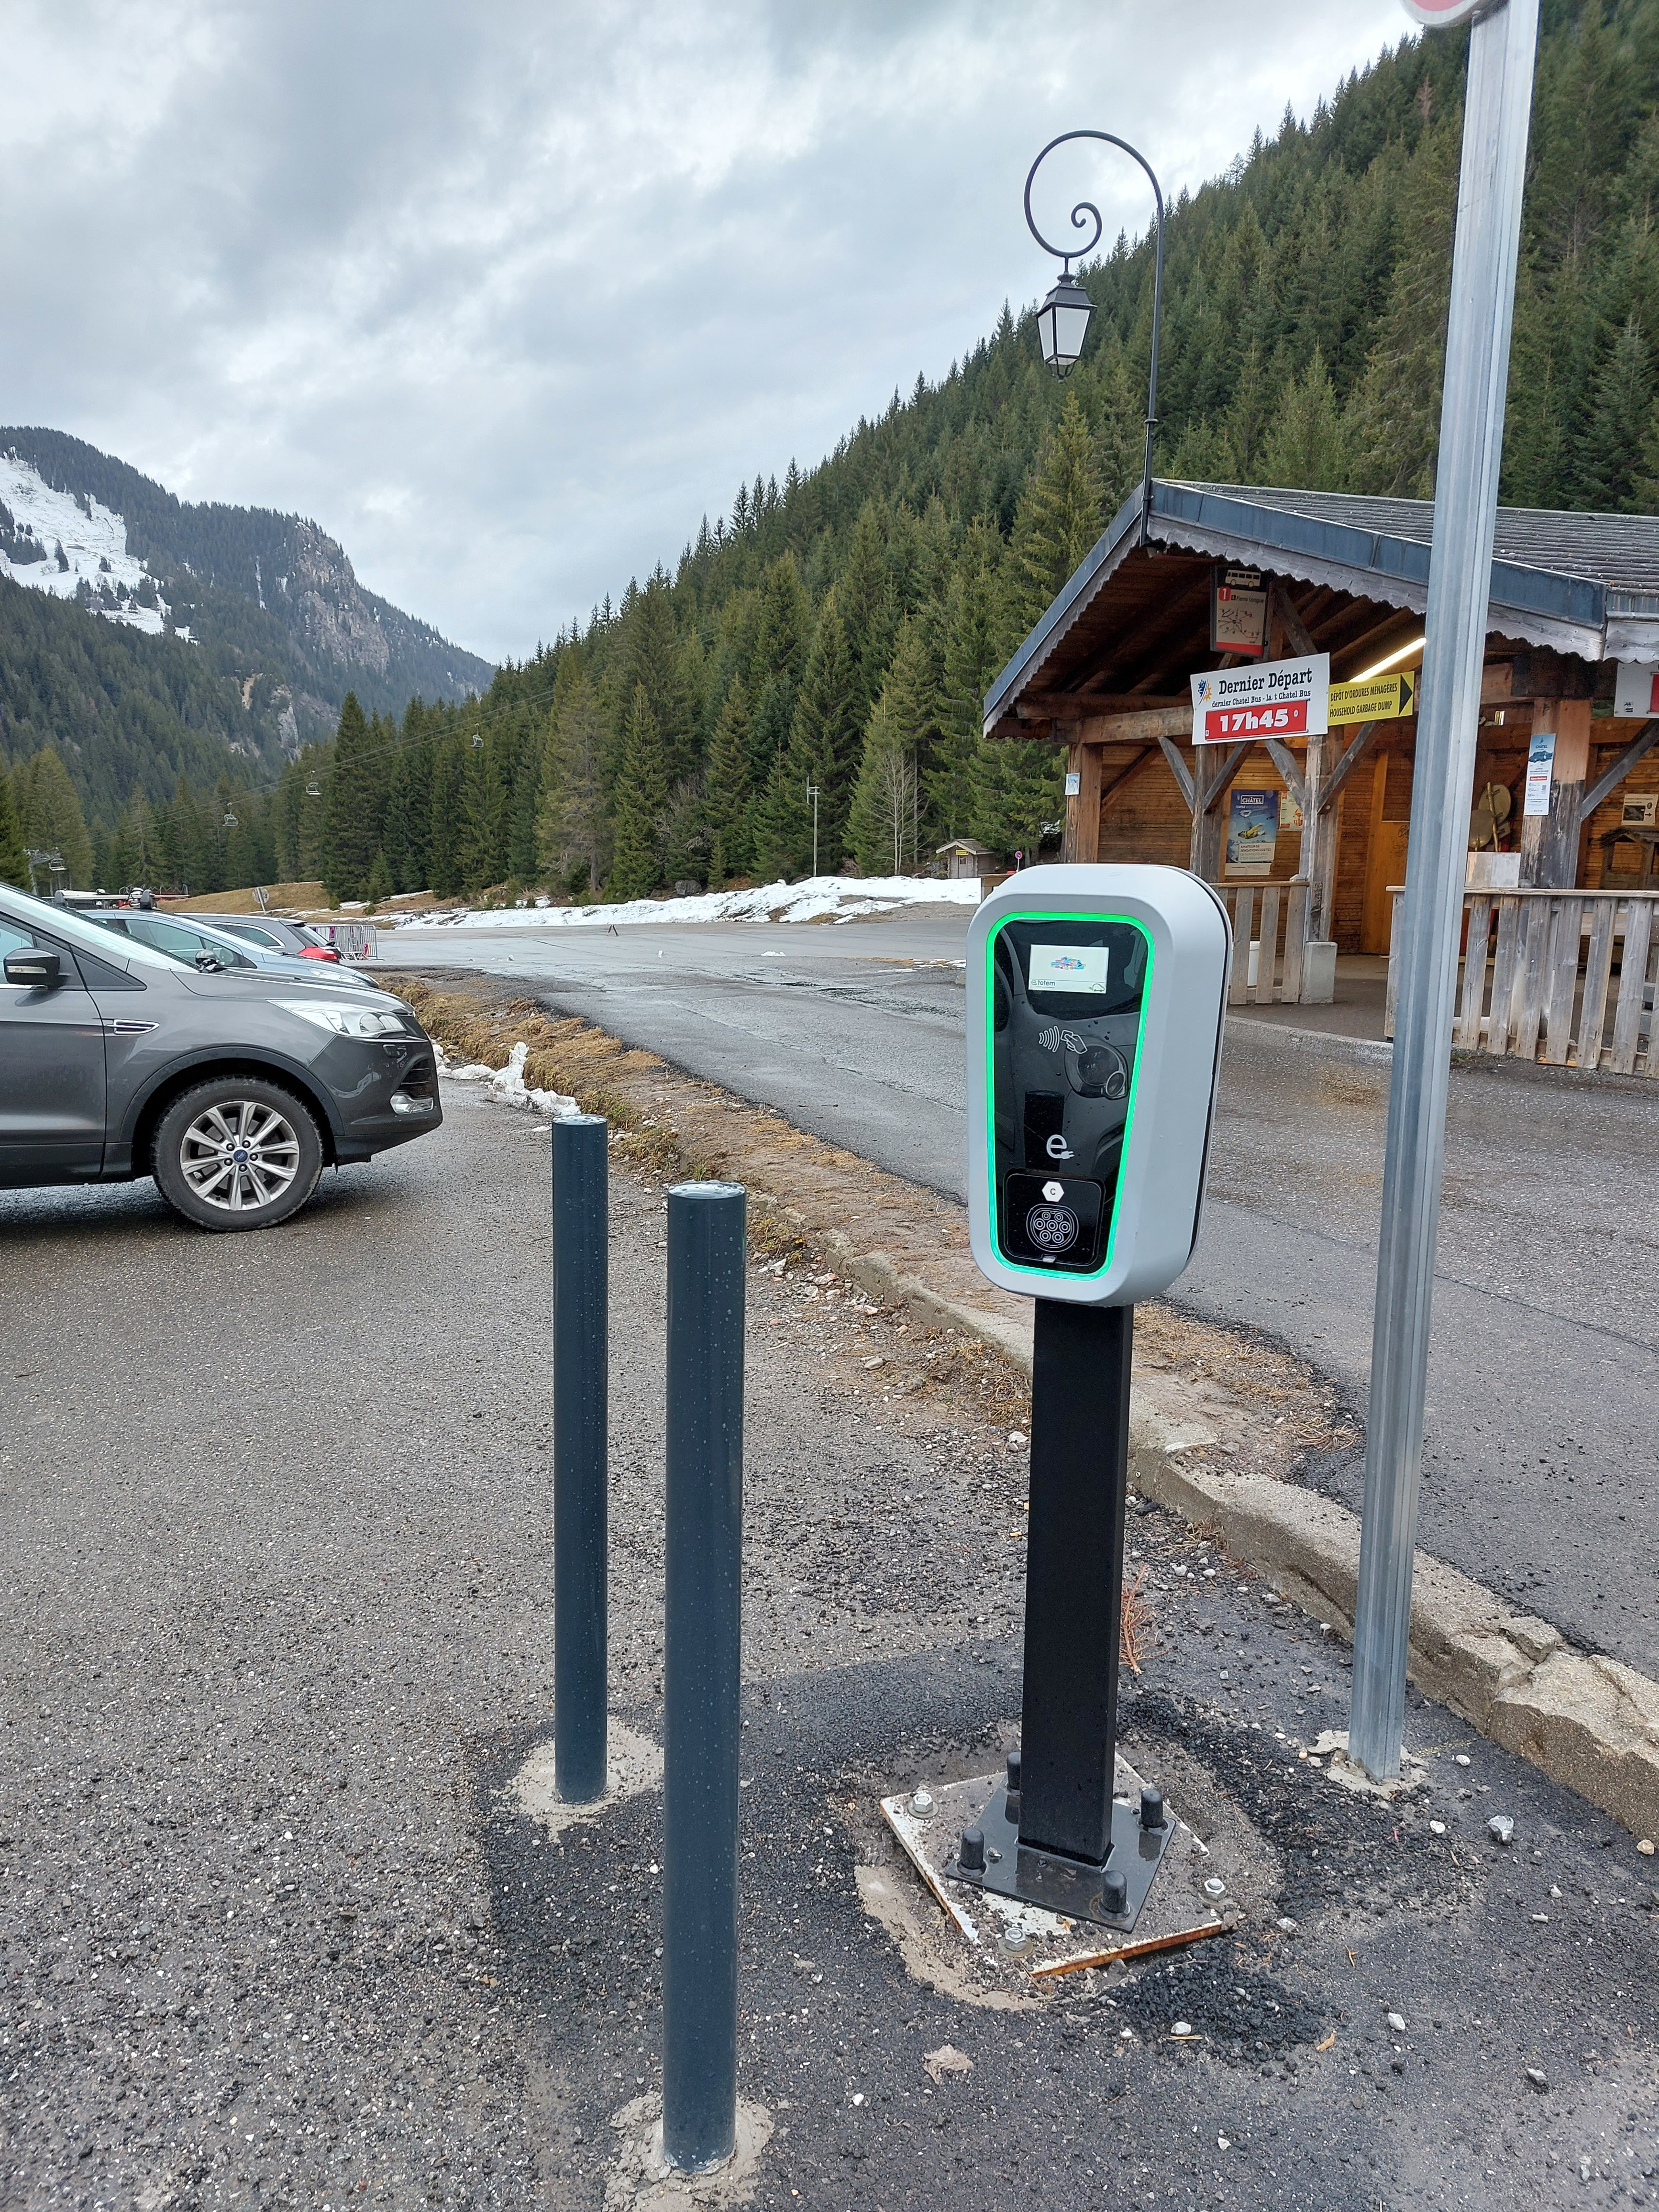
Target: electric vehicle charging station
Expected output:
[1096,999]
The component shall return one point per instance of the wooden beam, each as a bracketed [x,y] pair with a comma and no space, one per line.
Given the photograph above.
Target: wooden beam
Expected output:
[1068,705]
[1345,766]
[1216,785]
[1610,779]
[1295,628]
[1549,842]
[1205,852]
[1182,773]
[1540,675]
[1289,768]
[1136,728]
[1082,836]
[1132,769]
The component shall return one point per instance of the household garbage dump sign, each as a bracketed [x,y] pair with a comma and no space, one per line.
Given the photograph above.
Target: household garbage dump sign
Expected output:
[1275,699]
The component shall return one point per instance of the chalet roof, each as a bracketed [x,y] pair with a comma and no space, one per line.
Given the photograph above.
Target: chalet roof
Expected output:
[1580,584]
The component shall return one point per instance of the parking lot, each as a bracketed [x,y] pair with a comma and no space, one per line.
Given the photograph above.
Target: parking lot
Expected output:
[278,1926]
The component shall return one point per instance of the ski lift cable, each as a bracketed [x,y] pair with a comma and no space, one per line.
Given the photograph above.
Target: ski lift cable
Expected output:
[403,744]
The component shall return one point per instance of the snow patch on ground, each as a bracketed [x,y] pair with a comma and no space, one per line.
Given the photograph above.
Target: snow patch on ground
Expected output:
[841,898]
[94,542]
[508,1083]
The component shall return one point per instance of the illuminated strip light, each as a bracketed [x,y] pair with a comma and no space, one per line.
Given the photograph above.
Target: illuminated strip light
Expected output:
[1399,653]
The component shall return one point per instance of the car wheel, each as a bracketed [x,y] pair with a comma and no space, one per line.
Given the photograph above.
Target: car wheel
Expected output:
[237,1153]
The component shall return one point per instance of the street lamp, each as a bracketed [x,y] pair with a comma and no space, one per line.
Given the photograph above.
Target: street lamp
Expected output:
[814,794]
[1063,318]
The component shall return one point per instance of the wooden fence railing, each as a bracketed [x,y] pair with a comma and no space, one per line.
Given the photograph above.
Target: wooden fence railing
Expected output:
[1273,917]
[1563,977]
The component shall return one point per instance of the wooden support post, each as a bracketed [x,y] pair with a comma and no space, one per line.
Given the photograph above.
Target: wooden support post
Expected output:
[1317,857]
[1212,779]
[1082,838]
[1549,842]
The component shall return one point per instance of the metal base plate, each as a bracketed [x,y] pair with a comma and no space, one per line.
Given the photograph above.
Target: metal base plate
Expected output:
[1069,1886]
[1044,1942]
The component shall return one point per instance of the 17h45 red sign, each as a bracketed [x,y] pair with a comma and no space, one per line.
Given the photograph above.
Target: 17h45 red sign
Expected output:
[1275,699]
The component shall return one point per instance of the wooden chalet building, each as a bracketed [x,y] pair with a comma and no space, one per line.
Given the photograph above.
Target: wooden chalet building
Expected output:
[1307,836]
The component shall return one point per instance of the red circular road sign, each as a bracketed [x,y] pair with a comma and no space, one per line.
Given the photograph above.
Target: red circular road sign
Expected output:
[1438,14]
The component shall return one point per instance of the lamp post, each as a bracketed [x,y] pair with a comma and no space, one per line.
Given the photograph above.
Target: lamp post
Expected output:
[1063,318]
[815,792]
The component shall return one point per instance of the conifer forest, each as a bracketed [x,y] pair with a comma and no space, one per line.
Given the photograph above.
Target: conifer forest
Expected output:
[835,633]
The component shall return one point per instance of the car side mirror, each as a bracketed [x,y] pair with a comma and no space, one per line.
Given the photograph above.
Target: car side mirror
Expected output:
[209,962]
[35,970]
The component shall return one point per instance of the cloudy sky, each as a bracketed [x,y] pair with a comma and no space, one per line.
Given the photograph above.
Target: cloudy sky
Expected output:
[506,294]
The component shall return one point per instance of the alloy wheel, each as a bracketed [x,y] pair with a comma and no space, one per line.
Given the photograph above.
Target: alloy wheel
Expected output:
[240,1155]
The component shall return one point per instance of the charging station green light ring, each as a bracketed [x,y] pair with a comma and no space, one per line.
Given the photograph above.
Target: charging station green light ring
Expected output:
[1129,920]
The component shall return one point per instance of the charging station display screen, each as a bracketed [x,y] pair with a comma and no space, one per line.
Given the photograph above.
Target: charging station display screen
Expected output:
[1066,993]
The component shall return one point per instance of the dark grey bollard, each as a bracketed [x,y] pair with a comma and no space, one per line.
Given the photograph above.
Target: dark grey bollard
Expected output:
[581,1421]
[701,1672]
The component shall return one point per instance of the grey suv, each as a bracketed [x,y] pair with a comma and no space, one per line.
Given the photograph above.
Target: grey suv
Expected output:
[233,1087]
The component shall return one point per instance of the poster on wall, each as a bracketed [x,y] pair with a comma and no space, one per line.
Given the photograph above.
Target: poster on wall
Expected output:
[1252,831]
[1541,770]
[1238,610]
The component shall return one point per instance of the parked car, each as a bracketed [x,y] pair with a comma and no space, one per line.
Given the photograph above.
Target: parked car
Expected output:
[262,929]
[233,1086]
[195,941]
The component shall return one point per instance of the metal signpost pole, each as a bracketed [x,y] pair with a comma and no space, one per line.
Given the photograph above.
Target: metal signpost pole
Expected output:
[581,1417]
[1497,112]
[702,1631]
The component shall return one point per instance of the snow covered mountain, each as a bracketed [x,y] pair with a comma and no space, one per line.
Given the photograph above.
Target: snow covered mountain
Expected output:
[272,596]
[145,637]
[67,543]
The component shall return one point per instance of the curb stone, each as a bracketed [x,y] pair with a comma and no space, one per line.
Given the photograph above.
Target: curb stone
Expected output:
[1587,1720]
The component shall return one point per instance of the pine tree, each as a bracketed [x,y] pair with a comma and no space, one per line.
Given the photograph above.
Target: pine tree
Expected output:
[824,741]
[971,659]
[570,820]
[483,810]
[380,884]
[654,660]
[445,871]
[406,836]
[782,820]
[351,833]
[727,791]
[641,796]
[1622,405]
[1060,517]
[1121,436]
[50,815]
[1307,447]
[13,860]
[864,593]
[1016,794]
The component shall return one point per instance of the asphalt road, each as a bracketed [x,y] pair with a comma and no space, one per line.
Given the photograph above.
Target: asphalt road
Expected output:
[1541,1465]
[275,1929]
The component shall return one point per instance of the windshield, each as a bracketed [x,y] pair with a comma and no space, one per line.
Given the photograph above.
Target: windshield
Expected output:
[76,929]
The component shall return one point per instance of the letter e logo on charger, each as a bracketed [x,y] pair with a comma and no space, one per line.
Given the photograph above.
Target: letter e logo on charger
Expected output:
[1096,997]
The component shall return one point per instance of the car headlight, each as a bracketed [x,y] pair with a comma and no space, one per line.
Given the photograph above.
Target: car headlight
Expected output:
[346,1021]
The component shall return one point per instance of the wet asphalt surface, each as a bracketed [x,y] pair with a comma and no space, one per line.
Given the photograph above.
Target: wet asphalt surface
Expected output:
[274,1930]
[1541,1467]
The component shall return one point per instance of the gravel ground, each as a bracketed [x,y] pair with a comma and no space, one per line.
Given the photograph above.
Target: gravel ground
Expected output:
[275,1928]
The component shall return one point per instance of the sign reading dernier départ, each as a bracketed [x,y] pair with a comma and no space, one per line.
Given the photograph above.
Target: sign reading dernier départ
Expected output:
[1277,699]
